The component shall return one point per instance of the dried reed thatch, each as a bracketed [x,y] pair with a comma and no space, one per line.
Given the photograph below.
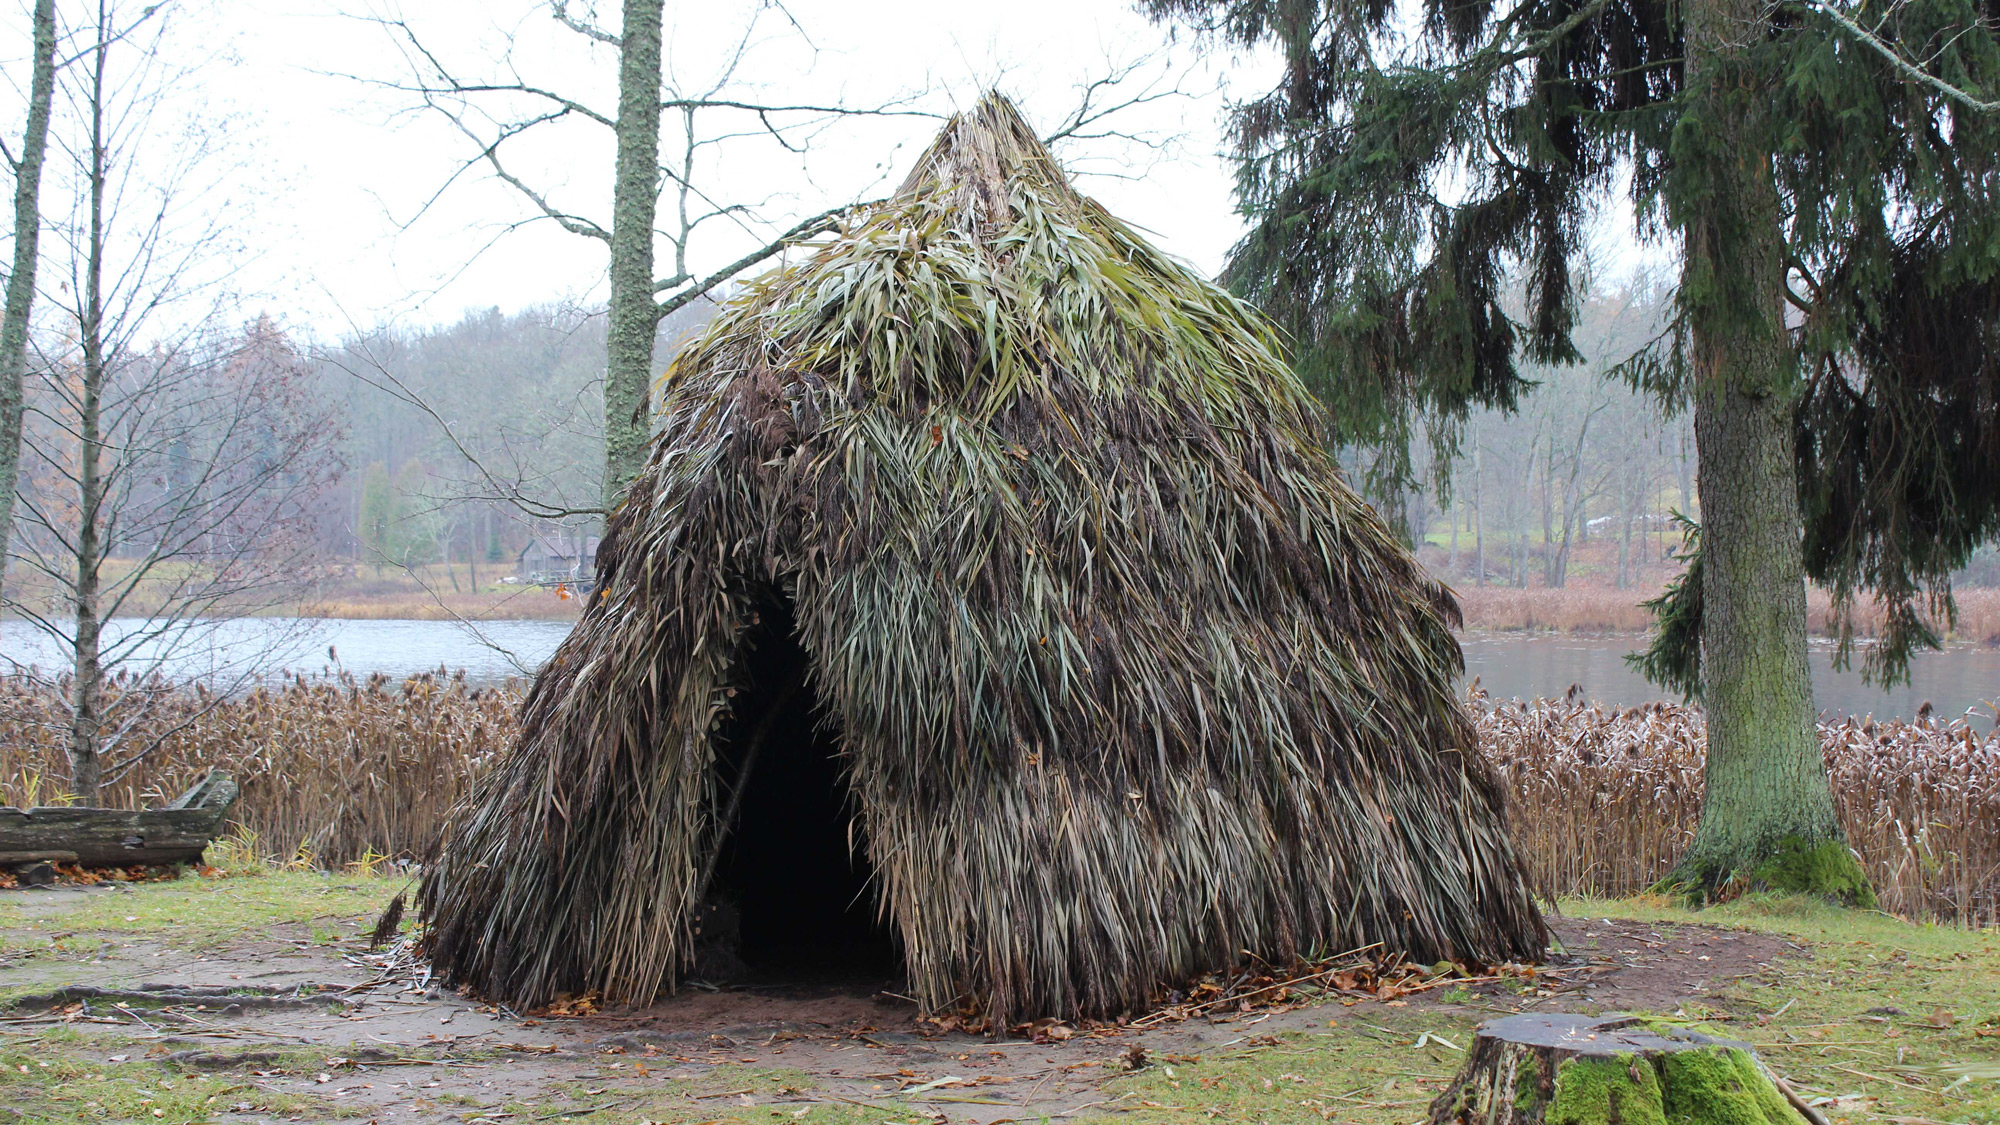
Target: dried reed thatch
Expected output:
[1126,681]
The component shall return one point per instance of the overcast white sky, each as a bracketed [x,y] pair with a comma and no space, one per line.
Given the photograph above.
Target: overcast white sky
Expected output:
[337,172]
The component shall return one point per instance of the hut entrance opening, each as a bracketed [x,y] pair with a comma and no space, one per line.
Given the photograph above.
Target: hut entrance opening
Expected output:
[793,897]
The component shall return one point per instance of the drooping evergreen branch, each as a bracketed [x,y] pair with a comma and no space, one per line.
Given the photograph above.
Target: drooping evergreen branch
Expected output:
[1903,66]
[1672,659]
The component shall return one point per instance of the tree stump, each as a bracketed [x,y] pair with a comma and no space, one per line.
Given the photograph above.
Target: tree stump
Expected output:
[1559,1069]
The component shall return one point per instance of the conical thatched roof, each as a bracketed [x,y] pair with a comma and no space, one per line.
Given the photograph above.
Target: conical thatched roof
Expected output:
[1127,681]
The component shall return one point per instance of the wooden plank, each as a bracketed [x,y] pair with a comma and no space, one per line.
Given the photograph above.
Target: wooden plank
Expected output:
[120,837]
[8,859]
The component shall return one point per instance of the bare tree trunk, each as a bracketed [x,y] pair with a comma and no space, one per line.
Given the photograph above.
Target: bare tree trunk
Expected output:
[1768,814]
[634,313]
[1517,527]
[27,244]
[1457,517]
[1548,511]
[87,671]
[1478,510]
[1575,524]
[1625,543]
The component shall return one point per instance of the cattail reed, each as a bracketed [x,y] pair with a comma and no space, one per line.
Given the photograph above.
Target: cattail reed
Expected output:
[1604,799]
[333,771]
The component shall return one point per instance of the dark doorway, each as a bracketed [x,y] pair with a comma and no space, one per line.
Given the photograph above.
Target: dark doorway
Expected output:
[792,878]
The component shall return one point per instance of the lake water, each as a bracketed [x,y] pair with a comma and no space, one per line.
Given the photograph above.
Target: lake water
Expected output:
[1507,665]
[225,652]
[1952,681]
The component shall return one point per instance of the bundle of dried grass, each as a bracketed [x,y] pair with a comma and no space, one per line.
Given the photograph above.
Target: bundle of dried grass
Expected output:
[1127,680]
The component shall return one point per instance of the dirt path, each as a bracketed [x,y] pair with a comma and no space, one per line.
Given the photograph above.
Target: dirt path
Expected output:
[289,1025]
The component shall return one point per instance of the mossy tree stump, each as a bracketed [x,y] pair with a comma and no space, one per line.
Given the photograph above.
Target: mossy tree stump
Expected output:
[1616,1070]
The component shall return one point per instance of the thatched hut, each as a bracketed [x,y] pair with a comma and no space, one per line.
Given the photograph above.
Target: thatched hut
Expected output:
[989,602]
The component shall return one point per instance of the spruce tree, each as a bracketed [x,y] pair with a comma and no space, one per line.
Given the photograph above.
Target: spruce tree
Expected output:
[1829,173]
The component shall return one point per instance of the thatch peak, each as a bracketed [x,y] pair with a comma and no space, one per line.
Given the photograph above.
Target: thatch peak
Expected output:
[979,154]
[987,280]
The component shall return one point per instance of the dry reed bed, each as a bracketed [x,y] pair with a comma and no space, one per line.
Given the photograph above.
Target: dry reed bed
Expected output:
[332,770]
[1604,799]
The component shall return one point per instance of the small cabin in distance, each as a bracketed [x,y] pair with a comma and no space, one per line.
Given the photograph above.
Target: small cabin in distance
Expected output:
[553,560]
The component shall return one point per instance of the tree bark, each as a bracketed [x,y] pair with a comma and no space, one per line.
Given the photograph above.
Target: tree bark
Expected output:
[27,245]
[634,315]
[1767,793]
[87,671]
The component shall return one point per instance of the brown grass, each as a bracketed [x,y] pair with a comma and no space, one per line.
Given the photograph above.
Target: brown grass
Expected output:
[1602,609]
[1605,800]
[432,593]
[332,771]
[1572,609]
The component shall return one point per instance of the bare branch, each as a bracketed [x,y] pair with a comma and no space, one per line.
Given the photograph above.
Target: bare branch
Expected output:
[453,86]
[764,108]
[560,9]
[805,228]
[382,379]
[1090,111]
[1908,69]
[572,223]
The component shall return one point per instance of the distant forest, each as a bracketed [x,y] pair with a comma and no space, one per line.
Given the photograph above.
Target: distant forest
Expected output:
[1580,485]
[448,427]
[1577,487]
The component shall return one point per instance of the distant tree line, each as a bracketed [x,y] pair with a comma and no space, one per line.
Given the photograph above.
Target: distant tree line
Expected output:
[1584,460]
[467,439]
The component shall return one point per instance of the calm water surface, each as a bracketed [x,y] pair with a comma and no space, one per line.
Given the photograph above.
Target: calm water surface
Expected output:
[1508,666]
[1953,681]
[225,652]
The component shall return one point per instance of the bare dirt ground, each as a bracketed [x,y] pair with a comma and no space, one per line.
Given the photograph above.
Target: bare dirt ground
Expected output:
[286,1024]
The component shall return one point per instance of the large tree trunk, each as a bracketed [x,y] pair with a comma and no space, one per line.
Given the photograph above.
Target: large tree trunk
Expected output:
[634,312]
[27,243]
[1768,816]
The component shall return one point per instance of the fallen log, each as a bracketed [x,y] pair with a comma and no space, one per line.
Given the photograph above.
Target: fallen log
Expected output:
[96,837]
[1559,1069]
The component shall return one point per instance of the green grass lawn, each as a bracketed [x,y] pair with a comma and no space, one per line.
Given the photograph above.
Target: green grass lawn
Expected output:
[194,913]
[1890,1021]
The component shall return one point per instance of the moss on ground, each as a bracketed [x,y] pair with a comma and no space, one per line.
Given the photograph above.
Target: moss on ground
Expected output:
[1882,1018]
[57,1075]
[1828,870]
